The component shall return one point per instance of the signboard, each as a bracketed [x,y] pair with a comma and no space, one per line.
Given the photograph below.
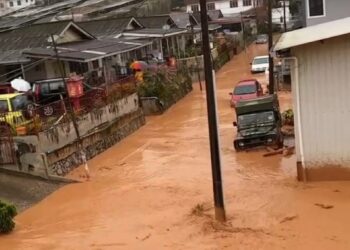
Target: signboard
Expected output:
[75,87]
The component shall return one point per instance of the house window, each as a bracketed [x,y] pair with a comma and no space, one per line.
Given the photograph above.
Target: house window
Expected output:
[211,6]
[11,4]
[2,5]
[233,3]
[19,3]
[247,2]
[316,8]
[195,7]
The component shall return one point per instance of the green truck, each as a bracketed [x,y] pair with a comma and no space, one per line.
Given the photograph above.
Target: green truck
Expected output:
[258,123]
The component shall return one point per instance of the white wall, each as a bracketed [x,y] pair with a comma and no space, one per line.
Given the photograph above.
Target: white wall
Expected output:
[224,6]
[8,8]
[278,13]
[325,104]
[87,123]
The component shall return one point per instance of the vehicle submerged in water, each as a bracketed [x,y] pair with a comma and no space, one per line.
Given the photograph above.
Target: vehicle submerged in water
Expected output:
[258,123]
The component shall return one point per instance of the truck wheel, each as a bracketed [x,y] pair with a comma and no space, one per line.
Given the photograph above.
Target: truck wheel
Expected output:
[237,148]
[280,142]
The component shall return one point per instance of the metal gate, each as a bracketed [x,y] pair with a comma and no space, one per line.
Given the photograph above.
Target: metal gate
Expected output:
[7,146]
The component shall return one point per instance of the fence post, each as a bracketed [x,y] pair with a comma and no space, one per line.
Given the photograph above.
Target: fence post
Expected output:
[46,165]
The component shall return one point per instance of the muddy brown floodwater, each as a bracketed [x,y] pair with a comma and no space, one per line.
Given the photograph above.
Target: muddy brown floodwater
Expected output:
[153,191]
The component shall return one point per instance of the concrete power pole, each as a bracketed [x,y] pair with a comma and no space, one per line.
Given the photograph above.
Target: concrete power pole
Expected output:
[284,16]
[220,213]
[271,66]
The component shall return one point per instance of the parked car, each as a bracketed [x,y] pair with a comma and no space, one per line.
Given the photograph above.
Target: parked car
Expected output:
[262,39]
[258,123]
[47,94]
[246,90]
[47,91]
[6,88]
[260,64]
[16,110]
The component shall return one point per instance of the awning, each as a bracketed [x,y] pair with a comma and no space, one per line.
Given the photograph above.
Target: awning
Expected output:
[154,32]
[313,34]
[88,50]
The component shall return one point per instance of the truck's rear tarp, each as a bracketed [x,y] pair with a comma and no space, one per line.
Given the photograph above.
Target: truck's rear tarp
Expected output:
[265,103]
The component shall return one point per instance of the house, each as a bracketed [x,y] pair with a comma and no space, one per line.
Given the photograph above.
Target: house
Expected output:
[8,6]
[168,39]
[280,14]
[319,56]
[320,11]
[160,32]
[29,52]
[227,7]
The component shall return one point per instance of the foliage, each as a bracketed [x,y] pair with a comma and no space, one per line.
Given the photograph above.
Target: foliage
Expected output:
[294,7]
[221,60]
[223,56]
[165,85]
[177,3]
[7,213]
[288,117]
[192,51]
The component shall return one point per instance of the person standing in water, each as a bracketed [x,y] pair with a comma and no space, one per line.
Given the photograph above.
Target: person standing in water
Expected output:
[84,161]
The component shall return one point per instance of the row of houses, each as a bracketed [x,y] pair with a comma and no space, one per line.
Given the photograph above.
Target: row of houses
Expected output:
[91,45]
[227,7]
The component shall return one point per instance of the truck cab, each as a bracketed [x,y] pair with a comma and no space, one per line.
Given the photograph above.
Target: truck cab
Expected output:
[258,123]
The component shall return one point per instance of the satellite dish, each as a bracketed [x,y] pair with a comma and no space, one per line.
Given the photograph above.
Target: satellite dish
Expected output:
[166,27]
[55,37]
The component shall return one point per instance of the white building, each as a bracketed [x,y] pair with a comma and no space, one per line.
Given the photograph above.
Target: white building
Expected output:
[320,70]
[227,7]
[278,16]
[7,6]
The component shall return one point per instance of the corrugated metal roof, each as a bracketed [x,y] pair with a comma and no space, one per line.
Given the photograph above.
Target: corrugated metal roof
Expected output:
[12,57]
[313,34]
[34,35]
[111,27]
[154,32]
[87,50]
[156,22]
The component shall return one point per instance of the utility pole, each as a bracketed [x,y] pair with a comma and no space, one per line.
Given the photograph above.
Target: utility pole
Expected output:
[271,66]
[196,58]
[284,16]
[243,33]
[220,214]
[63,74]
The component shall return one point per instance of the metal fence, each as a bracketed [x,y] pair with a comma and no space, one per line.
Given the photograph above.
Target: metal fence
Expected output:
[41,117]
[7,146]
[98,96]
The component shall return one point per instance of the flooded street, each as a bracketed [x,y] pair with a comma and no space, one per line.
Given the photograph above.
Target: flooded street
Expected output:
[154,191]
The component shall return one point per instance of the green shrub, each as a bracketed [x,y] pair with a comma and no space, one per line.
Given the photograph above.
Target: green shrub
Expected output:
[7,213]
[288,117]
[167,86]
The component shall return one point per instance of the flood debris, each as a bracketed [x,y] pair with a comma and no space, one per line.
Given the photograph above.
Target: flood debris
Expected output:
[198,210]
[324,206]
[144,238]
[286,151]
[289,218]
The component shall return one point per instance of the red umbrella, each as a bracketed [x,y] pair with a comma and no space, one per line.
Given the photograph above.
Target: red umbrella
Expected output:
[139,65]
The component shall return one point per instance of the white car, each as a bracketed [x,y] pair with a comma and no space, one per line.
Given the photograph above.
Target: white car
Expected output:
[260,64]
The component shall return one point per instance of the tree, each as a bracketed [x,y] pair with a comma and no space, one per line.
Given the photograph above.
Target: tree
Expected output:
[294,6]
